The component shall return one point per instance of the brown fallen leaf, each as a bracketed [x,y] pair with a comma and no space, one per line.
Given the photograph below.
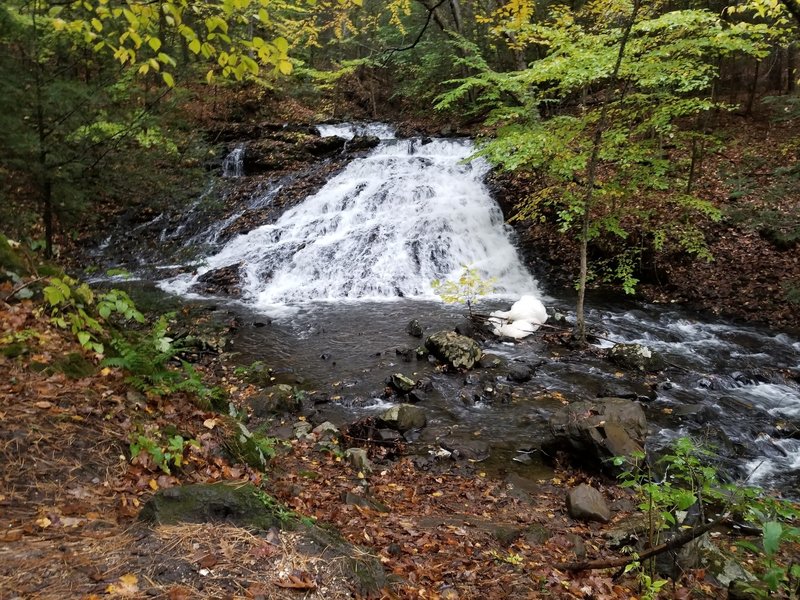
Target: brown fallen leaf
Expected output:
[298,580]
[208,561]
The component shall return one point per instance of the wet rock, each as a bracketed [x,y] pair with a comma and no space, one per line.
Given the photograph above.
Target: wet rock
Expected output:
[324,145]
[456,350]
[241,504]
[490,361]
[601,429]
[401,383]
[274,400]
[389,436]
[636,357]
[417,396]
[426,385]
[585,503]
[225,280]
[404,417]
[630,390]
[362,142]
[465,328]
[473,450]
[520,373]
[406,354]
[414,329]
[357,457]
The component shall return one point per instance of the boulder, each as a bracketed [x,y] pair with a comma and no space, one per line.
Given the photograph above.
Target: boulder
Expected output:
[404,417]
[636,357]
[456,350]
[599,430]
[585,503]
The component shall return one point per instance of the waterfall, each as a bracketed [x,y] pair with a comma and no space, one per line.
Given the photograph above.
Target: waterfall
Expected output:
[384,227]
[233,165]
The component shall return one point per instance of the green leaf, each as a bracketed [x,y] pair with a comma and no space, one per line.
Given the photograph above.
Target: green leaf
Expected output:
[772,537]
[168,79]
[84,337]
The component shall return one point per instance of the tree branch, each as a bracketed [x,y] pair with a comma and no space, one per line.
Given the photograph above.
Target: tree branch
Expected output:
[676,542]
[413,44]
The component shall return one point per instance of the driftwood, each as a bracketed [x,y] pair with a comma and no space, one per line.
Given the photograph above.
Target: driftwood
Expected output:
[676,542]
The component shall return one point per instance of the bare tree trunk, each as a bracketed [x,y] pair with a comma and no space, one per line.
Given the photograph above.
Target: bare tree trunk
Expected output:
[791,68]
[751,98]
[580,325]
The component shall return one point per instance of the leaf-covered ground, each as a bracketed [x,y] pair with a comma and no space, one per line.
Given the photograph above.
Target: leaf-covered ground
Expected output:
[70,495]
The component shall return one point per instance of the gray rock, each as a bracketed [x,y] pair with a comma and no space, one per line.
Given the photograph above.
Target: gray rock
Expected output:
[417,396]
[636,357]
[456,350]
[414,329]
[358,458]
[301,429]
[326,429]
[404,417]
[585,503]
[275,399]
[600,429]
[465,328]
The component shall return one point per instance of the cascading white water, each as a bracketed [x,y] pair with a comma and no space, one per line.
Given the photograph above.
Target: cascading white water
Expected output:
[233,165]
[383,228]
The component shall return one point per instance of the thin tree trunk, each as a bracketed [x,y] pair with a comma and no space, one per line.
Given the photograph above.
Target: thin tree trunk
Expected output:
[791,68]
[580,326]
[45,183]
[751,98]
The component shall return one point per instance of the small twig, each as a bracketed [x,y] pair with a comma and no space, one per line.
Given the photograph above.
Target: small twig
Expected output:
[21,287]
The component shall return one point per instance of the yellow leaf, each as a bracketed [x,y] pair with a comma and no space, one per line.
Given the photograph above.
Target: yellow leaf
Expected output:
[105,371]
[153,484]
[210,423]
[285,67]
[44,522]
[126,586]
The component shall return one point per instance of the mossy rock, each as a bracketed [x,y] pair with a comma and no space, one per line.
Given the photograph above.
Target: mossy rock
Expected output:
[243,505]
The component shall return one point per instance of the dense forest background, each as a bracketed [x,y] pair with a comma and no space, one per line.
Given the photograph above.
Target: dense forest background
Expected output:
[622,131]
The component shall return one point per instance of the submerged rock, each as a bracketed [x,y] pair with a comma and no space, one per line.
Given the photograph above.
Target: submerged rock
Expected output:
[456,350]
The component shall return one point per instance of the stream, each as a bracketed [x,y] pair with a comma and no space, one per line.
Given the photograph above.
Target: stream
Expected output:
[328,288]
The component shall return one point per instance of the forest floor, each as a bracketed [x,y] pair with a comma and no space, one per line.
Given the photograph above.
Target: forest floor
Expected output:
[70,495]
